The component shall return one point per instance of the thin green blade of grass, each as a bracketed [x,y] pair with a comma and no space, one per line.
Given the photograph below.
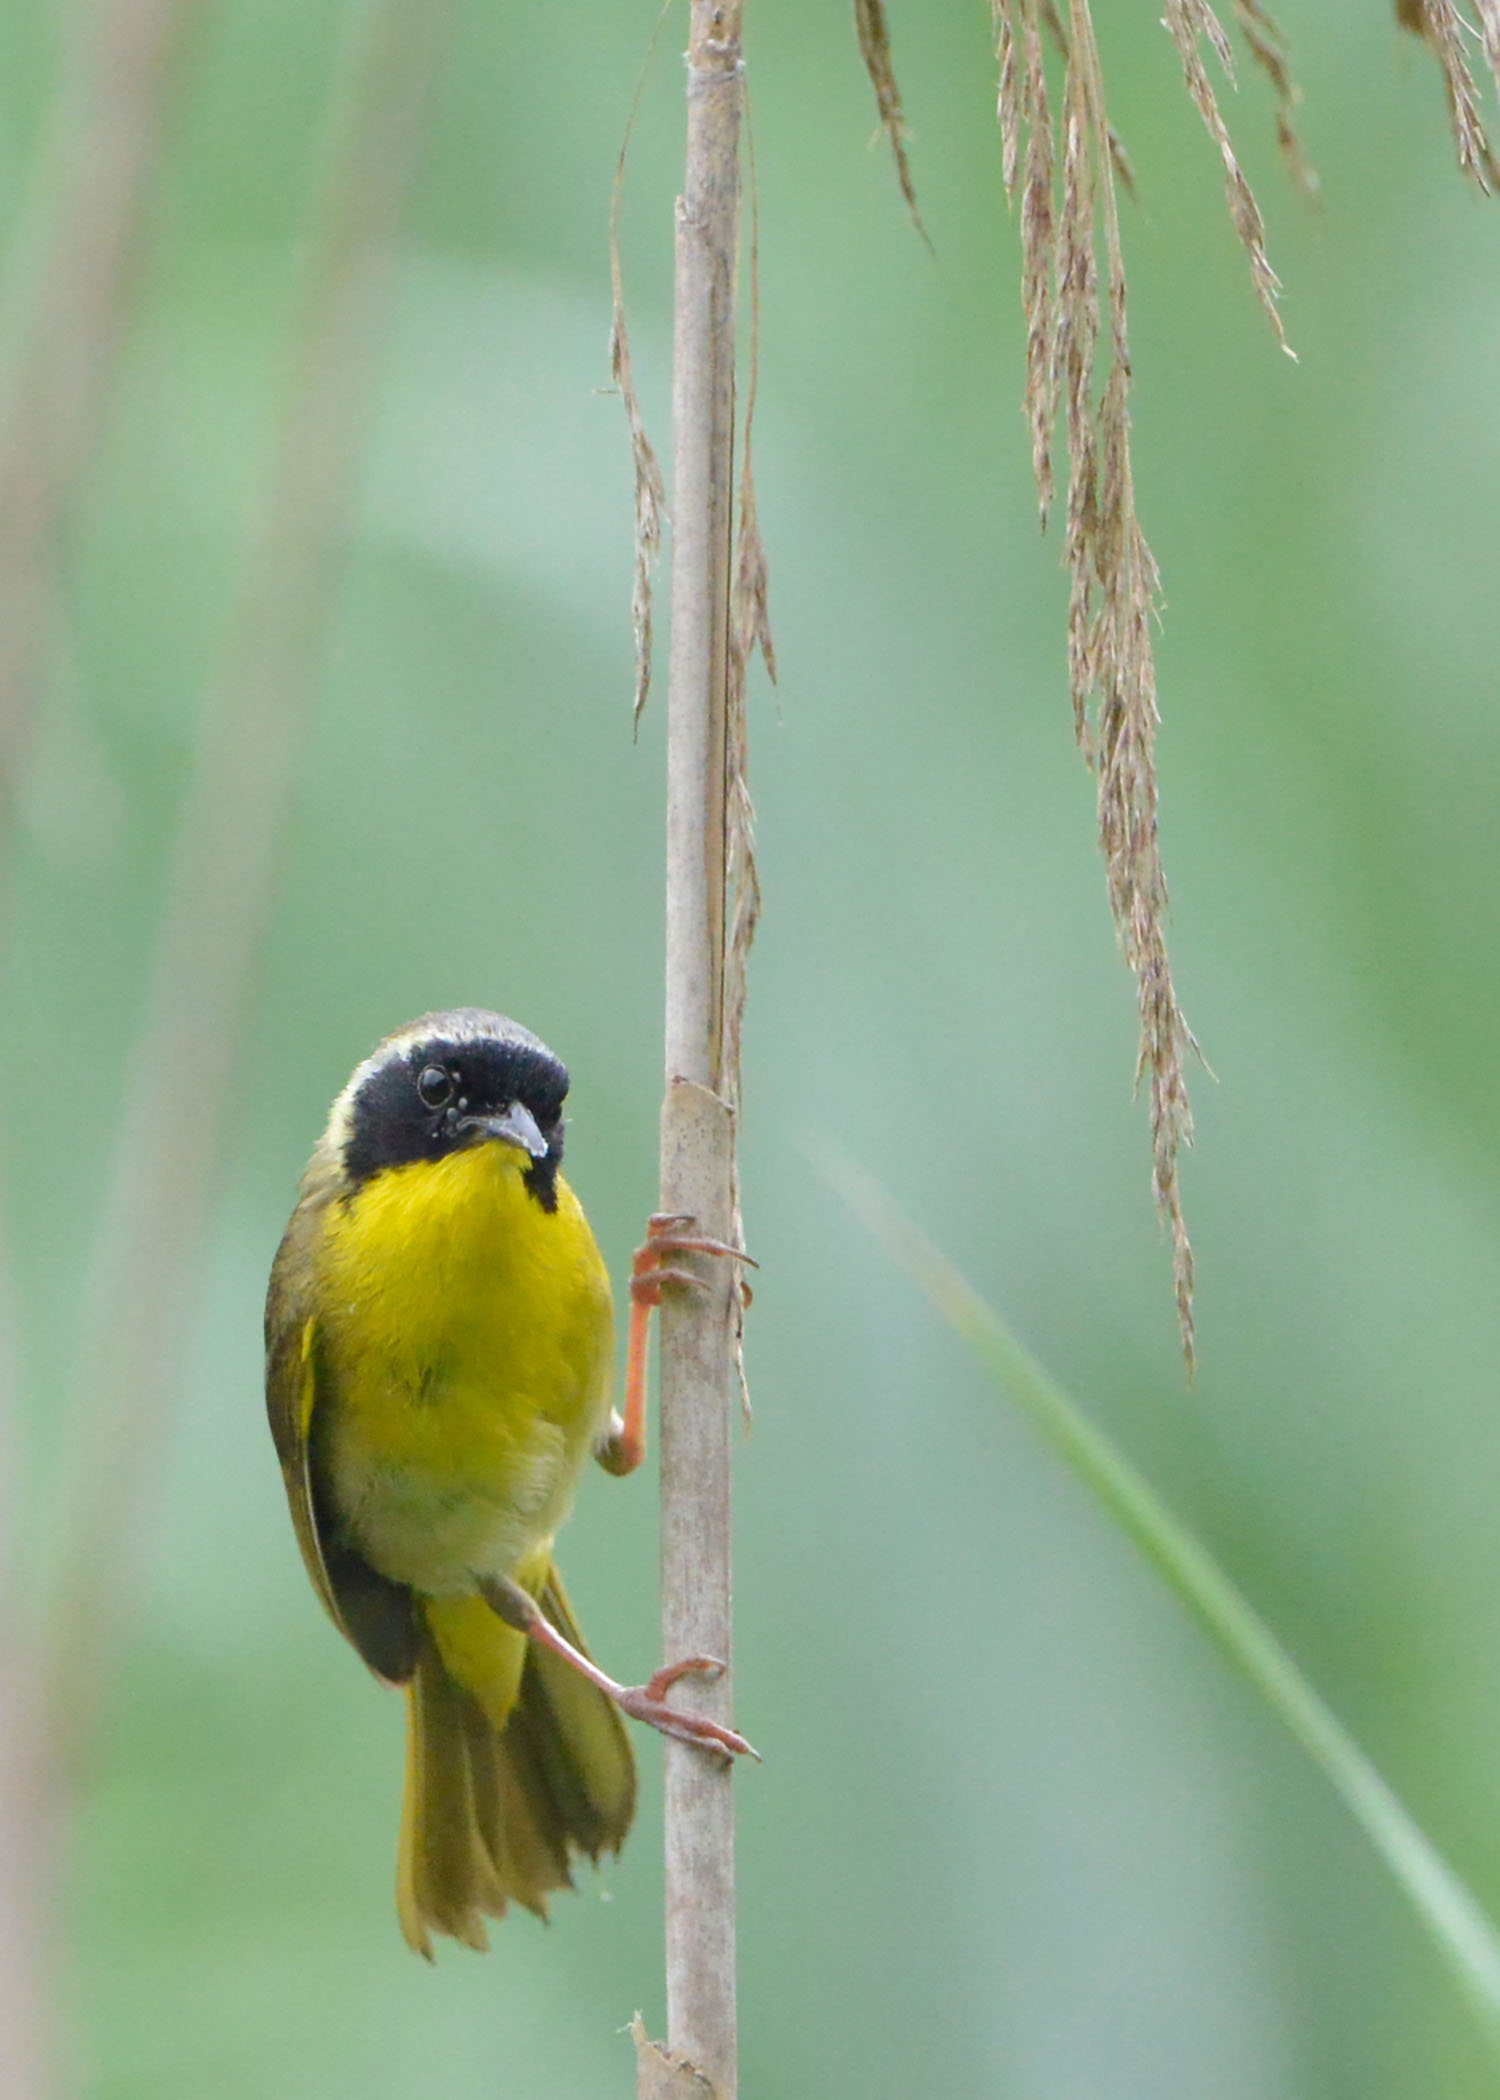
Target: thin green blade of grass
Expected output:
[1465,1935]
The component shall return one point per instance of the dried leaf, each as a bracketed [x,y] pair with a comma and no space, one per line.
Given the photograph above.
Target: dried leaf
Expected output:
[650,499]
[662,2074]
[650,490]
[875,50]
[749,630]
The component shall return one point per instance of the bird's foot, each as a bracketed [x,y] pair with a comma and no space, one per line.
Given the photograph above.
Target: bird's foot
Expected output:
[647,1702]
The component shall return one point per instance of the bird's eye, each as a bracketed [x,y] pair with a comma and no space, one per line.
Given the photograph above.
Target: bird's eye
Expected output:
[434,1086]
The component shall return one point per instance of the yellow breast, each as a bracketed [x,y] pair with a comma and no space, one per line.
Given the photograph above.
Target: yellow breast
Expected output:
[466,1345]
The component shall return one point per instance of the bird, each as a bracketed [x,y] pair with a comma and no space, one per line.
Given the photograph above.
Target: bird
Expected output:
[439,1356]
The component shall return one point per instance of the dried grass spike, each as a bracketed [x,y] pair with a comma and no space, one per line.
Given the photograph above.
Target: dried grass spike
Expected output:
[875,50]
[1052,23]
[1077,340]
[1440,26]
[1039,285]
[1114,591]
[1489,35]
[1187,21]
[1007,99]
[1269,50]
[1120,161]
[1067,224]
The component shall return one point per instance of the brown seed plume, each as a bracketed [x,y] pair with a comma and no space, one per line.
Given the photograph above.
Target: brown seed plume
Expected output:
[875,50]
[1068,218]
[1267,46]
[1441,28]
[1188,22]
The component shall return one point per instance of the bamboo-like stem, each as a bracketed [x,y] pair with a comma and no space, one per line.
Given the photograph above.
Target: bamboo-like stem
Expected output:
[698,1373]
[222,876]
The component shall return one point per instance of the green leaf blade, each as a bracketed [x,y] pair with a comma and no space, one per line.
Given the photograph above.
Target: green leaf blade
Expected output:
[1463,1932]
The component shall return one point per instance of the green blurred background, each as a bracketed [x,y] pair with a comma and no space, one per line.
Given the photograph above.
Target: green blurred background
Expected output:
[1018,1832]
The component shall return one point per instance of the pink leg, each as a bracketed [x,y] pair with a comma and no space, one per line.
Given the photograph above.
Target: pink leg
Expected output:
[643,1702]
[625,1447]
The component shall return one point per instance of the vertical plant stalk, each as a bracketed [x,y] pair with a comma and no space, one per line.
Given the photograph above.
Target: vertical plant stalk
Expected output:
[221,880]
[1461,1930]
[27,1911]
[697,1339]
[92,204]
[104,151]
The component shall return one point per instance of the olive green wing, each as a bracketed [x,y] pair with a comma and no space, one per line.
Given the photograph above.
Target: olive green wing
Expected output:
[378,1617]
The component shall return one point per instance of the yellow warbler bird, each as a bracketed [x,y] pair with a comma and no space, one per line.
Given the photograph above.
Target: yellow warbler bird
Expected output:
[439,1354]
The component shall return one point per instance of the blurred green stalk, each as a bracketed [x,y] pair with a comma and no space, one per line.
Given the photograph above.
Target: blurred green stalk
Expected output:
[1465,1935]
[93,196]
[227,849]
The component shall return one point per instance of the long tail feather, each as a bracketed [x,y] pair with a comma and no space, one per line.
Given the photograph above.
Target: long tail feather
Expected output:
[515,1764]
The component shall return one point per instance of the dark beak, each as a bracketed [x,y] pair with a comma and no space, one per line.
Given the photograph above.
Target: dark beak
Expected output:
[518,1127]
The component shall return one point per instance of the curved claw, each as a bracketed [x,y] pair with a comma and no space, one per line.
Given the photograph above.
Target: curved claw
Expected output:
[665,1233]
[636,1700]
[672,1673]
[645,1286]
